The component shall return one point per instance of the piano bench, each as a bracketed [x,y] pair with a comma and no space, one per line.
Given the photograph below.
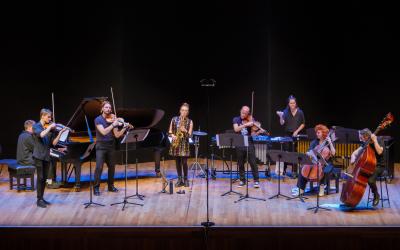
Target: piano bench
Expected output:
[21,172]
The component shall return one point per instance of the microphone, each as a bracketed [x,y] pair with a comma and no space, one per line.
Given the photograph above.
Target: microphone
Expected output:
[208,82]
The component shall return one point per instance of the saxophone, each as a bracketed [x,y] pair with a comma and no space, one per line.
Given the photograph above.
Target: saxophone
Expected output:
[179,134]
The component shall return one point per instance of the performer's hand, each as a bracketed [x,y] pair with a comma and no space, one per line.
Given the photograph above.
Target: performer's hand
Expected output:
[249,124]
[63,130]
[295,133]
[374,138]
[173,137]
[115,123]
[53,125]
[279,113]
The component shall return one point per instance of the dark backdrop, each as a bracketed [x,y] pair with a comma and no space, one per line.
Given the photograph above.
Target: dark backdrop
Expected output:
[340,60]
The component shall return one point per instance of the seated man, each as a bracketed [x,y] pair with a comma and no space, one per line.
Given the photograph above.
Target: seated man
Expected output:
[25,145]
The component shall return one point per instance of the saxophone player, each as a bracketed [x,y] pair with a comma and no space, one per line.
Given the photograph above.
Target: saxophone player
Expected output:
[180,129]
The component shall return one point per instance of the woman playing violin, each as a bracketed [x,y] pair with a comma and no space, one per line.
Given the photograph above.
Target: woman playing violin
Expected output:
[322,146]
[108,128]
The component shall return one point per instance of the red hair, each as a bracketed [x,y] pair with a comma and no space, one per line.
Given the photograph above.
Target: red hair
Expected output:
[324,130]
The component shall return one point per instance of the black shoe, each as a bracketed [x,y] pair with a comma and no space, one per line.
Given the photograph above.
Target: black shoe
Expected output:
[41,203]
[111,188]
[186,183]
[375,202]
[179,182]
[96,191]
[47,203]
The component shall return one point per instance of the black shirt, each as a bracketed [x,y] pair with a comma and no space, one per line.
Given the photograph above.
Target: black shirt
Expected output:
[25,149]
[41,150]
[380,162]
[292,123]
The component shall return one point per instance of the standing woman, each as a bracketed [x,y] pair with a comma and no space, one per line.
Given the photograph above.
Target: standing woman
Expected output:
[293,121]
[180,129]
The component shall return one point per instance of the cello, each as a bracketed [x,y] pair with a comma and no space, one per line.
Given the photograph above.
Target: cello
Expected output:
[364,166]
[319,156]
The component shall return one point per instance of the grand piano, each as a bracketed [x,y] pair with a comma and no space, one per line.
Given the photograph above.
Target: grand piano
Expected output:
[83,135]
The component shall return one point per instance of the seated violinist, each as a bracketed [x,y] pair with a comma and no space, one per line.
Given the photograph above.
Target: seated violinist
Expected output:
[320,147]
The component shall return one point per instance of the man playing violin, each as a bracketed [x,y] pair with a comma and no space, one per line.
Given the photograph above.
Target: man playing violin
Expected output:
[245,124]
[44,137]
[375,144]
[107,130]
[323,144]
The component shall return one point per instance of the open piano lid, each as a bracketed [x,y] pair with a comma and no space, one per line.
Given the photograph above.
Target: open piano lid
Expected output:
[91,106]
[141,117]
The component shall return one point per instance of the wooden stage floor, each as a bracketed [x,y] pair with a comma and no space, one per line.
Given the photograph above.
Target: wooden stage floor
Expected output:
[19,209]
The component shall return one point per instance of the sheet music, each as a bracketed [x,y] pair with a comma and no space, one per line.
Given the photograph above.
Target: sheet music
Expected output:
[64,136]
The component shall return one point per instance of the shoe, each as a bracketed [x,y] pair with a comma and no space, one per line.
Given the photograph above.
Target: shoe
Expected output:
[96,191]
[46,202]
[77,187]
[256,184]
[158,174]
[179,182]
[111,188]
[41,203]
[321,190]
[186,183]
[375,202]
[241,184]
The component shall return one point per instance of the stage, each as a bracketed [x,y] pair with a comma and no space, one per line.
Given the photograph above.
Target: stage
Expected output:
[189,209]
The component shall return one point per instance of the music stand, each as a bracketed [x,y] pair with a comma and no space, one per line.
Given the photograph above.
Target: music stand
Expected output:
[85,155]
[231,139]
[346,136]
[277,156]
[300,159]
[133,137]
[247,196]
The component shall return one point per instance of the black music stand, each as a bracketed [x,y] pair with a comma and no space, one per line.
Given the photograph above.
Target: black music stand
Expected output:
[278,156]
[299,159]
[247,196]
[133,137]
[346,136]
[230,139]
[87,154]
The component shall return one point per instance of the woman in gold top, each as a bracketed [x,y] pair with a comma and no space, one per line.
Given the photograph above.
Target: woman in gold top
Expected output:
[180,129]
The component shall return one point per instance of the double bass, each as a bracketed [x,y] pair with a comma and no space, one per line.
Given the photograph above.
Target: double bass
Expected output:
[364,166]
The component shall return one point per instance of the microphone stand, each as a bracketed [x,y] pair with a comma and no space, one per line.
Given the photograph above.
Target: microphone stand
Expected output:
[206,83]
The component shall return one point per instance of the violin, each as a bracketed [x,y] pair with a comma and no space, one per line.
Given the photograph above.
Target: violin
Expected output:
[256,125]
[58,127]
[121,122]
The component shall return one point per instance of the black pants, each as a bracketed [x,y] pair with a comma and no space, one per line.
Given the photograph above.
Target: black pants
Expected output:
[157,159]
[241,153]
[302,181]
[104,154]
[290,147]
[42,171]
[181,165]
[372,179]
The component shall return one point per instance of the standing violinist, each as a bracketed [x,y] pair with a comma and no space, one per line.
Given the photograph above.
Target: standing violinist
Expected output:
[243,124]
[323,144]
[376,146]
[44,137]
[107,131]
[293,121]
